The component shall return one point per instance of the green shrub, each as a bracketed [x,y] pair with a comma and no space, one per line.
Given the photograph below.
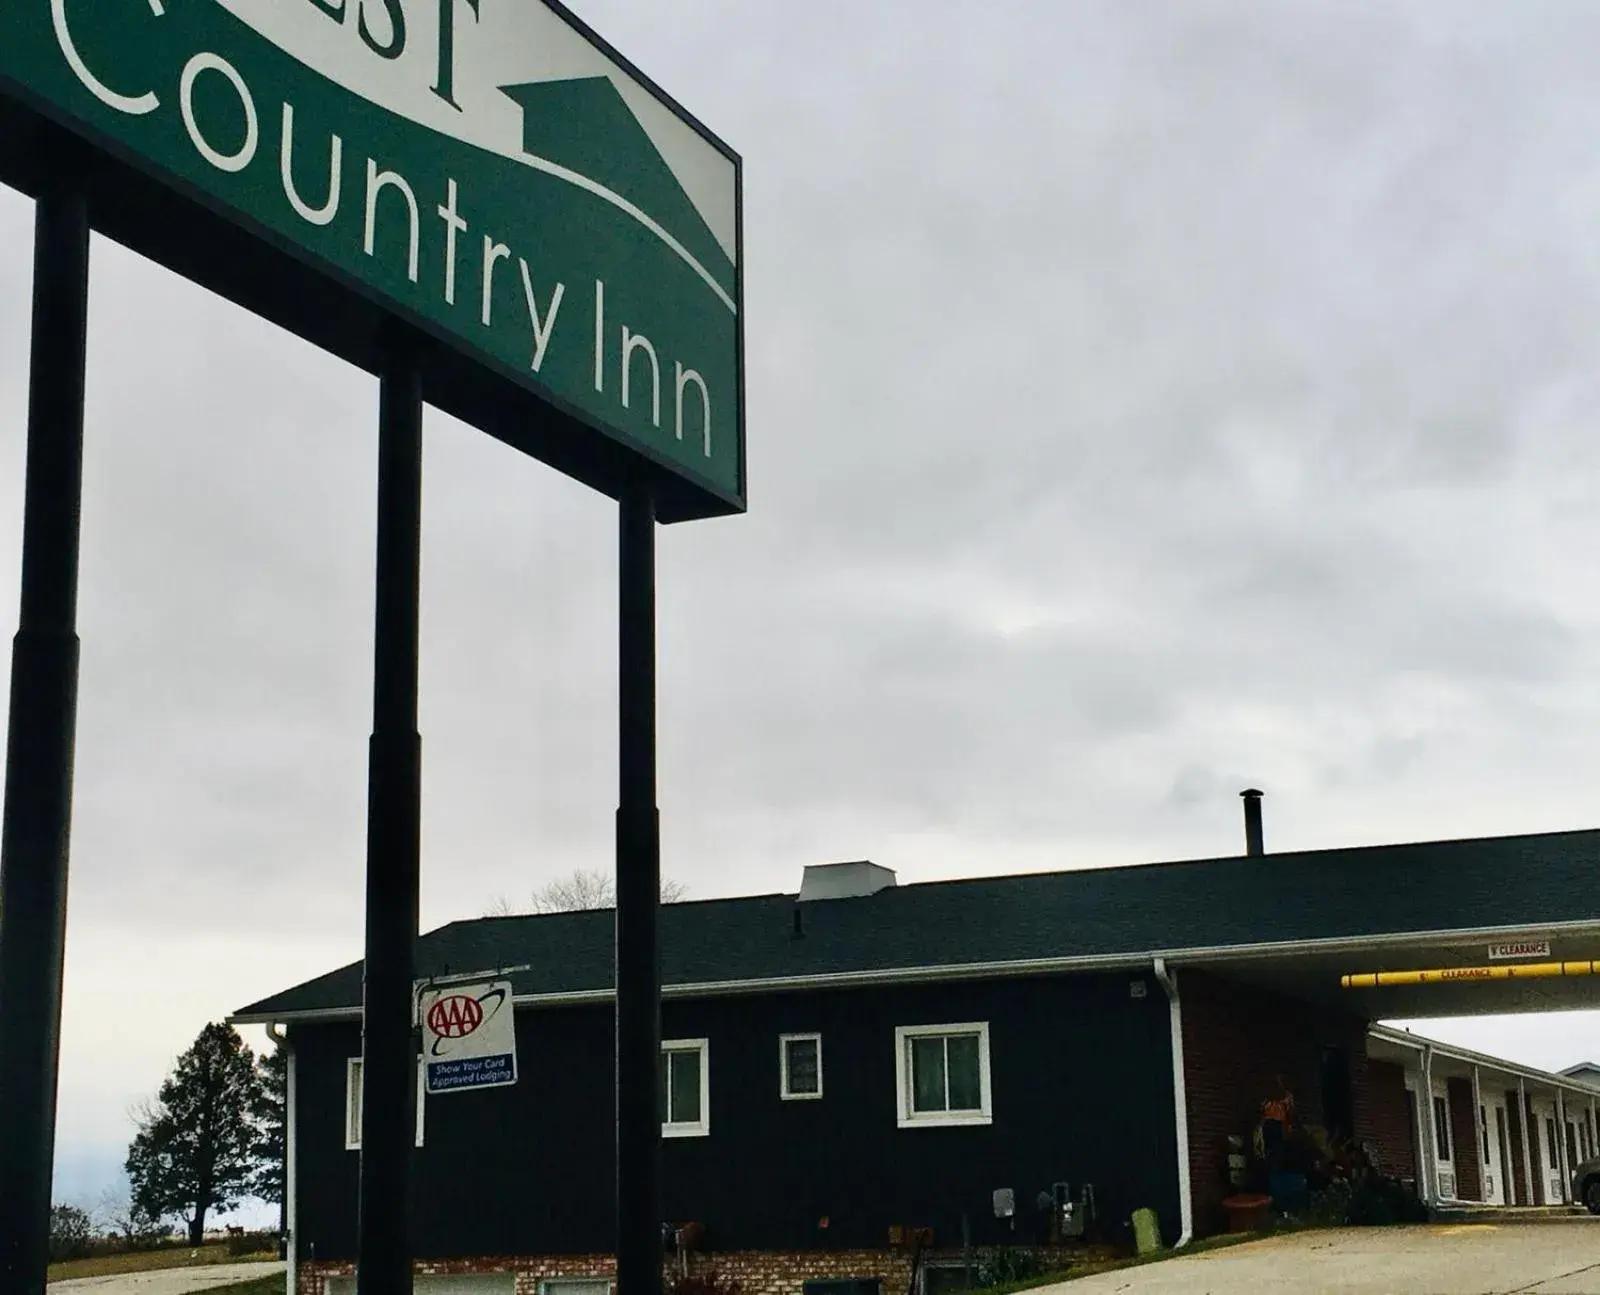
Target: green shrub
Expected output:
[1006,1264]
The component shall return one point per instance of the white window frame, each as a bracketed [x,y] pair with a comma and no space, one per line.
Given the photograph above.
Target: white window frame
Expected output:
[913,1119]
[784,1091]
[700,1128]
[352,1131]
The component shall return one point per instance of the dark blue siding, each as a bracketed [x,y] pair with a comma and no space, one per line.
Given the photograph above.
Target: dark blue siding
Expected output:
[1082,1091]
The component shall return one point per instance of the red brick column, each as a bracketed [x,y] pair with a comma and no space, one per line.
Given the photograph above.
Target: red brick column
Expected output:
[1388,1124]
[1464,1136]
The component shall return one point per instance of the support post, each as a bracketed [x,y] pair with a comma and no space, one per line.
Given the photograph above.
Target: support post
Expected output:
[1430,1142]
[1483,1141]
[1561,1144]
[394,793]
[39,741]
[1523,1116]
[638,898]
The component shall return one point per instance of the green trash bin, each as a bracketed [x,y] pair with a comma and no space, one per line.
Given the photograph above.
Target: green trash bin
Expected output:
[1146,1231]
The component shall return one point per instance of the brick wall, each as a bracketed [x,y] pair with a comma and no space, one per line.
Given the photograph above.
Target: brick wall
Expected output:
[1236,1039]
[758,1272]
[1536,1137]
[1515,1117]
[1393,1133]
[1464,1139]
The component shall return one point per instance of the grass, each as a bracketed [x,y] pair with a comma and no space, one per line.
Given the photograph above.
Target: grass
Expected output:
[151,1260]
[272,1285]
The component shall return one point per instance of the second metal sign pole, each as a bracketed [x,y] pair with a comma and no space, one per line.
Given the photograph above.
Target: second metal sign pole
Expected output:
[638,897]
[394,798]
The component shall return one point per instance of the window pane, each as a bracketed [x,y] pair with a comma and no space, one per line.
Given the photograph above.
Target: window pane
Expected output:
[684,1107]
[804,1074]
[966,1087]
[927,1073]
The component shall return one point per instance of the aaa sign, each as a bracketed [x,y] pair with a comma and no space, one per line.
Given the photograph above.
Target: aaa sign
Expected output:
[469,1037]
[486,169]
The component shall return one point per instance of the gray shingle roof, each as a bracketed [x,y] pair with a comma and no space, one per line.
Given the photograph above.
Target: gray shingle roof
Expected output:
[1489,883]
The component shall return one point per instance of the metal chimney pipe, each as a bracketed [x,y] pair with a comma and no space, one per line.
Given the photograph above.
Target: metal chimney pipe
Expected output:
[1252,822]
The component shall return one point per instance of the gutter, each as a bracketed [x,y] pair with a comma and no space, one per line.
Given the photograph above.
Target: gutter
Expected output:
[1221,954]
[1180,1102]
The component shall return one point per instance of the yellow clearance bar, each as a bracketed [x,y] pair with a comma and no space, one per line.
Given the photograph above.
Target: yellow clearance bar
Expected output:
[1449,975]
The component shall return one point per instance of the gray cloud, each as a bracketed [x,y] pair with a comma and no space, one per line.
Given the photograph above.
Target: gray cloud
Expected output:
[1144,401]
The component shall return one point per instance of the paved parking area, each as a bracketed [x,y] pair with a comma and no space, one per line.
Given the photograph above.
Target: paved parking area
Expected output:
[1555,1258]
[166,1281]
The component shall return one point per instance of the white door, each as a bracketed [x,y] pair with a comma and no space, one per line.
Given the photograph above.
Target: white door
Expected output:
[1493,1116]
[1443,1144]
[1552,1191]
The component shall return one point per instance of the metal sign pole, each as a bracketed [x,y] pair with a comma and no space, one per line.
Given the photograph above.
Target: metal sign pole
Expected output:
[39,748]
[394,794]
[638,896]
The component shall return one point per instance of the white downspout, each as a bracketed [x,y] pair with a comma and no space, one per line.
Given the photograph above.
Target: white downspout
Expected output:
[1477,1128]
[1430,1125]
[1561,1143]
[1180,1103]
[1527,1151]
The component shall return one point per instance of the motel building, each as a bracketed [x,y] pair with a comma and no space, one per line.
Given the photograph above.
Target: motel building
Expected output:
[861,1070]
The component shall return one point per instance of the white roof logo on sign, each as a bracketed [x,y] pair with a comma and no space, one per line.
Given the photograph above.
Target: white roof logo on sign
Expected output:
[503,45]
[469,1037]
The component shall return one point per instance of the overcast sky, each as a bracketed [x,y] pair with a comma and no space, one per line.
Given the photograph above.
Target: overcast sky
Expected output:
[1145,401]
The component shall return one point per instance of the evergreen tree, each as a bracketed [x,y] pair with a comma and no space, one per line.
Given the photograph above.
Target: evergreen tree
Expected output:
[271,1114]
[198,1145]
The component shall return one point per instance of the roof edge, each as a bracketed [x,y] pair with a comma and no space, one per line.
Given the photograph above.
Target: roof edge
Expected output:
[1175,958]
[1405,1038]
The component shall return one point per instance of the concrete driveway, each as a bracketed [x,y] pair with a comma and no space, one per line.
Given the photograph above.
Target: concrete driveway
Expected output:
[166,1281]
[1554,1258]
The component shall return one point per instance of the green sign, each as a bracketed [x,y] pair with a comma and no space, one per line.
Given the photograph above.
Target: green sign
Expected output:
[486,169]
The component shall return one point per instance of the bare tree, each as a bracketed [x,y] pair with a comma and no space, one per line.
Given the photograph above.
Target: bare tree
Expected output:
[584,889]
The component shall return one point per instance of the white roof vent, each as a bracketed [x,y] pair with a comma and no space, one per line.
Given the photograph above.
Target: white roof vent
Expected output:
[843,880]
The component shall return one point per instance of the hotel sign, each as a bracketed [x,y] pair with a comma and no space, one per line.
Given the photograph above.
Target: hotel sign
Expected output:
[487,171]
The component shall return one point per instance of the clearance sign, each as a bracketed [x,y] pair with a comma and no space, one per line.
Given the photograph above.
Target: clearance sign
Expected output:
[469,1037]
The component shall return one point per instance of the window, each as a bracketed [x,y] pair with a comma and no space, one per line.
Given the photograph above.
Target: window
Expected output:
[942,1074]
[685,1088]
[1441,1128]
[575,1286]
[799,1066]
[352,1103]
[1553,1141]
[1483,1124]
